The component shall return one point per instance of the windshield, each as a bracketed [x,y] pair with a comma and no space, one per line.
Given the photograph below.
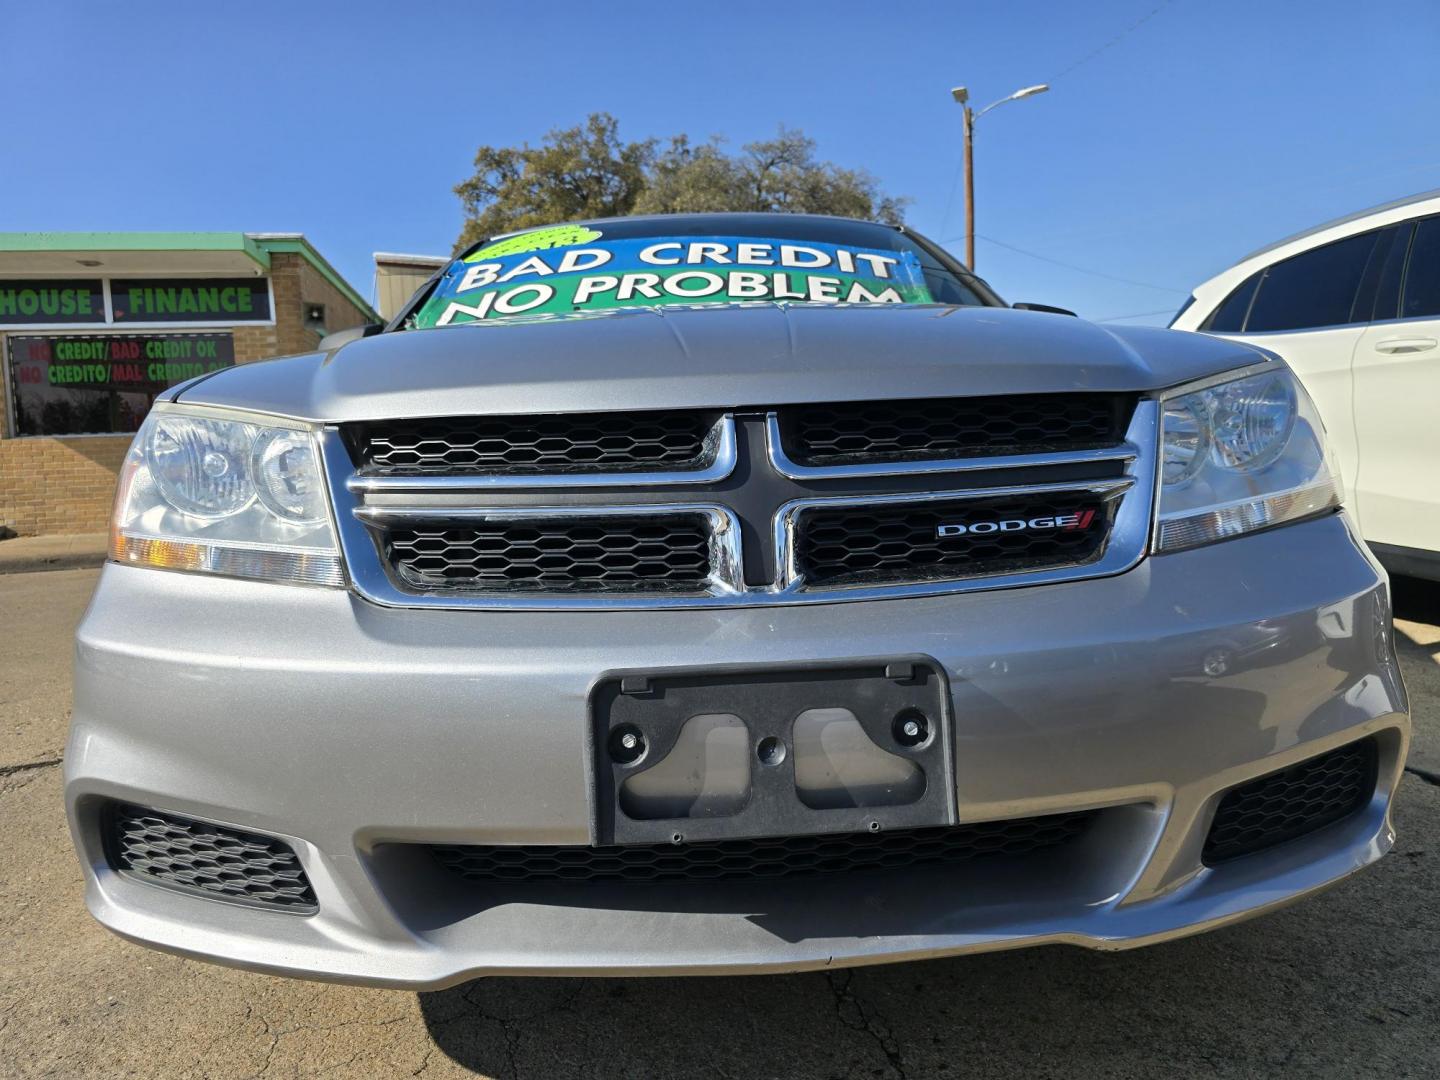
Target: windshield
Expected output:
[690,259]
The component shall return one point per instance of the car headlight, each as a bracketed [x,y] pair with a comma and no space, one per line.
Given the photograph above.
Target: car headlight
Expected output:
[1239,455]
[226,493]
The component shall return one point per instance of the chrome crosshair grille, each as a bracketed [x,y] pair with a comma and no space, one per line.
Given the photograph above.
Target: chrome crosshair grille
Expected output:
[793,504]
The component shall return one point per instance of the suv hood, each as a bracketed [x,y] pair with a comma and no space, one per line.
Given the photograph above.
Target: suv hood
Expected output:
[714,357]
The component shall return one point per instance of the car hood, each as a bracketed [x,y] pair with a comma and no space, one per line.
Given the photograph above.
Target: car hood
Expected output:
[716,357]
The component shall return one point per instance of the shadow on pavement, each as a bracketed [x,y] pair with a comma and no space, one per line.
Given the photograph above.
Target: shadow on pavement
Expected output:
[1416,600]
[1333,987]
[1342,985]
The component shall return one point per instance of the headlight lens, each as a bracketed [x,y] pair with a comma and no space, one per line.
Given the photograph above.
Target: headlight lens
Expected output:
[1238,456]
[201,466]
[227,494]
[287,475]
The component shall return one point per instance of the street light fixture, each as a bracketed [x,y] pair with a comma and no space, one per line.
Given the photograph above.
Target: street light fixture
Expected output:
[962,98]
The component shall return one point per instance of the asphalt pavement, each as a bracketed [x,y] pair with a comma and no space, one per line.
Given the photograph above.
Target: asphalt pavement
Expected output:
[1344,985]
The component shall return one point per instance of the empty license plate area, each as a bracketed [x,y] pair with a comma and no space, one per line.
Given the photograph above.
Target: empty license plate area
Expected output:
[713,755]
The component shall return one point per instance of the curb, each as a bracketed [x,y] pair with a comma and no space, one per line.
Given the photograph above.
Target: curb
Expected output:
[70,560]
[28,554]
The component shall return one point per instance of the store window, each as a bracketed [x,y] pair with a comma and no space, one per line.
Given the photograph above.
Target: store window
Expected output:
[79,384]
[189,300]
[69,301]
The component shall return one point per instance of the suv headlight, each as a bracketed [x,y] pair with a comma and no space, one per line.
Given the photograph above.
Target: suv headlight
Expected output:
[226,493]
[1239,455]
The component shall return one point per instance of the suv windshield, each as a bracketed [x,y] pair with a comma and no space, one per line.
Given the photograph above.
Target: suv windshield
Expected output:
[692,259]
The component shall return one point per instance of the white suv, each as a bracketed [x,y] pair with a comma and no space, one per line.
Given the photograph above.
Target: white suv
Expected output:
[1354,307]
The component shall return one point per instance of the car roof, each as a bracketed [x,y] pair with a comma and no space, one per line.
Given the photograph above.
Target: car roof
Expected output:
[1359,215]
[747,220]
[734,216]
[1208,293]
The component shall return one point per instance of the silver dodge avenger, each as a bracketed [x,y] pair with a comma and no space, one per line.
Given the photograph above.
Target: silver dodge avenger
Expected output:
[725,593]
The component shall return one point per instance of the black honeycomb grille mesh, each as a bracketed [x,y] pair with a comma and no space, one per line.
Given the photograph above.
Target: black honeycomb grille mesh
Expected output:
[879,431]
[765,858]
[900,542]
[1293,802]
[654,553]
[596,442]
[183,853]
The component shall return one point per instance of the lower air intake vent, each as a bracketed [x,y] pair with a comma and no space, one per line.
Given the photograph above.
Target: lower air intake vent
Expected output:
[1293,802]
[765,858]
[212,860]
[896,542]
[653,554]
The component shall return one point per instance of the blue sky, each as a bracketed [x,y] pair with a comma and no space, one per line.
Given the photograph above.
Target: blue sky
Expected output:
[1177,137]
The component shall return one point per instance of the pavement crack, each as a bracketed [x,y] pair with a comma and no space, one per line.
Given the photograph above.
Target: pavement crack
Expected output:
[852,1012]
[26,766]
[276,1036]
[512,1039]
[1430,777]
[509,1025]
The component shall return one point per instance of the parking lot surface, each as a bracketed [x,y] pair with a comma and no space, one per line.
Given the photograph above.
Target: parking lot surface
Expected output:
[1346,984]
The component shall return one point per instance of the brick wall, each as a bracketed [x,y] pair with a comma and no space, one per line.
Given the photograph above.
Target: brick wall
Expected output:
[295,284]
[340,314]
[59,485]
[66,485]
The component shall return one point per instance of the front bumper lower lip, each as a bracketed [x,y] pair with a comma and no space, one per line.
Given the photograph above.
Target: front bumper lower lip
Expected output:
[697,943]
[357,734]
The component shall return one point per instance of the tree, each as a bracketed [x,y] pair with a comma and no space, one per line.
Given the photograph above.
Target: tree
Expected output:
[775,175]
[579,172]
[587,171]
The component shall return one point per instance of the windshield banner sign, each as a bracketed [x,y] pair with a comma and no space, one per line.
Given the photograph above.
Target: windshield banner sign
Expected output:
[531,274]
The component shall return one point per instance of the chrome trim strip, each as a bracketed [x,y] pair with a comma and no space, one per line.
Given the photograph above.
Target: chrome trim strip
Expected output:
[1127,544]
[786,466]
[723,454]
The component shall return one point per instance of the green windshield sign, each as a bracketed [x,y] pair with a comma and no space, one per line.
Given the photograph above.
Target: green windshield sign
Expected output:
[557,271]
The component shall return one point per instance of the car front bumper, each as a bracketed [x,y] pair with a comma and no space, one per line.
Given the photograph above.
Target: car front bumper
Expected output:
[358,734]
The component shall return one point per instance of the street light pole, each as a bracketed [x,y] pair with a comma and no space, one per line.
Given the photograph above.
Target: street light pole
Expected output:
[962,97]
[969,188]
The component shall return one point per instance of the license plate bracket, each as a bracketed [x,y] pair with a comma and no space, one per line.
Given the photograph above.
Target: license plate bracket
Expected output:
[885,696]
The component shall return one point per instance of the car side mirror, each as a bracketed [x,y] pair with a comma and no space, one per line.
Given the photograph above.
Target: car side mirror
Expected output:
[1045,307]
[330,342]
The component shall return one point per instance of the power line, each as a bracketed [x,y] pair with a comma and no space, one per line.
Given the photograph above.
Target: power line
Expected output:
[1093,53]
[1069,266]
[1136,315]
[955,181]
[950,199]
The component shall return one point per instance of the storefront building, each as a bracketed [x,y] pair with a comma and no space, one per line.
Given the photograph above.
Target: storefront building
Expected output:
[398,277]
[94,325]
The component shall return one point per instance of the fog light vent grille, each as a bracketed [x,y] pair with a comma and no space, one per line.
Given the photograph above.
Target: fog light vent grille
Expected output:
[210,860]
[1292,802]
